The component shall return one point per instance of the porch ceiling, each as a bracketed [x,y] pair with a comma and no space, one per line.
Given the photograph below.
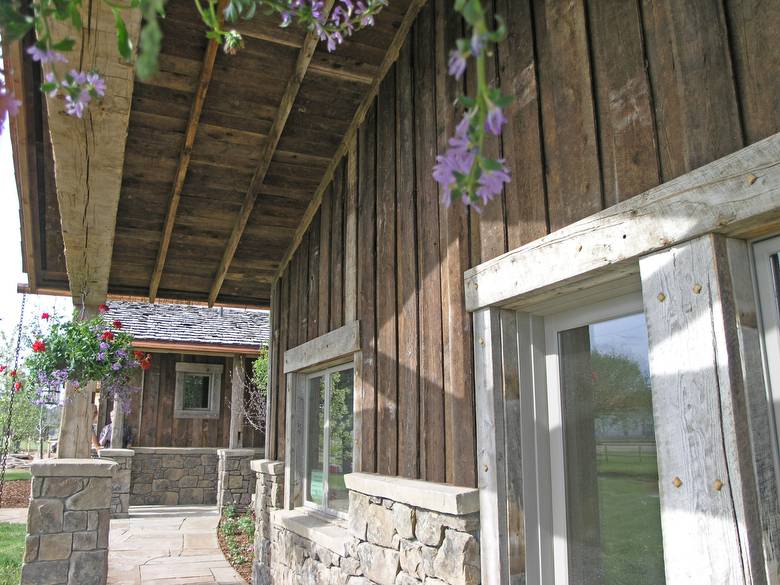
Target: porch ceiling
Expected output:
[225,155]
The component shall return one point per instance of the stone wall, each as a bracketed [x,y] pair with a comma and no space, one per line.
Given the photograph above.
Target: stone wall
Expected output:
[269,496]
[68,523]
[236,480]
[397,532]
[121,480]
[173,476]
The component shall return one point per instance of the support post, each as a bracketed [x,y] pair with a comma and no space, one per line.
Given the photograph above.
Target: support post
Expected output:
[117,426]
[712,529]
[236,403]
[491,457]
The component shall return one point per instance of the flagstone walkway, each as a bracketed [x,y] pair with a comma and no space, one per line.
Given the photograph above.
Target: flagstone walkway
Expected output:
[168,545]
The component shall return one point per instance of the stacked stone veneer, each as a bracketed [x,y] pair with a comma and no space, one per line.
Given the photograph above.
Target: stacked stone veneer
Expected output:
[236,478]
[121,480]
[68,523]
[173,476]
[269,496]
[398,532]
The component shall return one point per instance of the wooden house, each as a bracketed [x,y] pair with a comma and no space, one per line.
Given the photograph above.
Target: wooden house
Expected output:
[578,385]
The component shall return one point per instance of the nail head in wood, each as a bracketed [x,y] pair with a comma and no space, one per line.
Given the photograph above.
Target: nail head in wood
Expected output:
[752,179]
[661,297]
[677,482]
[718,485]
[696,288]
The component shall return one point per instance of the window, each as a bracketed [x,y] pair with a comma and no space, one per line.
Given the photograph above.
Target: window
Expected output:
[767,270]
[329,438]
[197,390]
[606,517]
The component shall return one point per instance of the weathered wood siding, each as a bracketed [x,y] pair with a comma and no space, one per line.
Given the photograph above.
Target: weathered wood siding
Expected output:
[152,421]
[612,97]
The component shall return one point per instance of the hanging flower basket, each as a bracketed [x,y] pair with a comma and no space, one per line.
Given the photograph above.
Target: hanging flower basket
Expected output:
[82,351]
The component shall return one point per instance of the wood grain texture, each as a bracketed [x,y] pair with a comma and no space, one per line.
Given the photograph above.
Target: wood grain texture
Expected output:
[351,236]
[431,375]
[386,310]
[702,432]
[323,301]
[336,283]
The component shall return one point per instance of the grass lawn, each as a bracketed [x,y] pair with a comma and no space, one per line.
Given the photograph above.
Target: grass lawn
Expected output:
[11,552]
[629,507]
[14,474]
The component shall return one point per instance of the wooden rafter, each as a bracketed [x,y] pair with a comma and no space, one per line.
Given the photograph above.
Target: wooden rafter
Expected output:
[274,135]
[184,160]
[390,58]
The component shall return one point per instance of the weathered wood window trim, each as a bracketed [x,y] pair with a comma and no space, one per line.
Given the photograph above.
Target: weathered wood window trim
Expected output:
[214,372]
[700,308]
[339,346]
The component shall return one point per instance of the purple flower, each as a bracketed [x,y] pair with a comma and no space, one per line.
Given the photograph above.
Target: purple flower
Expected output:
[103,346]
[46,55]
[121,353]
[76,106]
[495,120]
[101,356]
[116,366]
[50,78]
[286,18]
[98,83]
[457,64]
[492,182]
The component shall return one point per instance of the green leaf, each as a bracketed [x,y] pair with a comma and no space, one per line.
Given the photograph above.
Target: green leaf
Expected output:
[123,43]
[64,45]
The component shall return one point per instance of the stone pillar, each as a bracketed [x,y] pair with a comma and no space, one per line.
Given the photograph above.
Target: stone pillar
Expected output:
[236,480]
[121,480]
[68,523]
[269,496]
[236,403]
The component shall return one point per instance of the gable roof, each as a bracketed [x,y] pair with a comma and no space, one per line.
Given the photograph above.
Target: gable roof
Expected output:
[165,324]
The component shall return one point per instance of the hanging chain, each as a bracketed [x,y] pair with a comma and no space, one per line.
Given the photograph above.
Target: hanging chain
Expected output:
[7,436]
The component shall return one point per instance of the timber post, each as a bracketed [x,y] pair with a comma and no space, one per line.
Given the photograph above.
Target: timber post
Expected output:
[236,403]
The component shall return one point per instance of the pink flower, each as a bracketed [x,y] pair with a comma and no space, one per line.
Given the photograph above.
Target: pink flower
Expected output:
[45,316]
[38,346]
[103,308]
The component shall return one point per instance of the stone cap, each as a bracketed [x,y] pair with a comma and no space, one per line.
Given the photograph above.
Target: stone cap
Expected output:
[241,452]
[327,531]
[439,497]
[177,450]
[268,466]
[72,468]
[116,452]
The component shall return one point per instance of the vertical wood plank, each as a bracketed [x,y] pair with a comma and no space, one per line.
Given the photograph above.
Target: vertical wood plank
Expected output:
[431,366]
[148,433]
[406,271]
[491,459]
[325,236]
[754,25]
[711,530]
[271,402]
[236,399]
[284,343]
[165,422]
[387,340]
[351,236]
[460,455]
[367,289]
[314,278]
[526,209]
[570,140]
[293,460]
[337,251]
[303,290]
[626,120]
[693,82]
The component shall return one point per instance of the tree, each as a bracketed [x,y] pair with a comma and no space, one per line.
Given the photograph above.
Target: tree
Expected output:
[256,392]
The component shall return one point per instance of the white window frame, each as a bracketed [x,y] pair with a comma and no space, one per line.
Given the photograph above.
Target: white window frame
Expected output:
[214,372]
[769,327]
[325,374]
[550,392]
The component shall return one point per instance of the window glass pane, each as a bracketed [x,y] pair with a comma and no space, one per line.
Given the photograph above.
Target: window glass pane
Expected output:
[196,391]
[340,447]
[613,505]
[315,429]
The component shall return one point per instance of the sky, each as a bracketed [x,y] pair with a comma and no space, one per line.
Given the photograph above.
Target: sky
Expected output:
[10,243]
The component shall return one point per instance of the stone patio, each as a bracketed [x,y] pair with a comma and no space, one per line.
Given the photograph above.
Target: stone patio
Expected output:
[168,545]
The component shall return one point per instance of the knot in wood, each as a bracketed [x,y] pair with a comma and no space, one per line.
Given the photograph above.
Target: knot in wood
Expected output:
[696,288]
[718,485]
[661,297]
[677,482]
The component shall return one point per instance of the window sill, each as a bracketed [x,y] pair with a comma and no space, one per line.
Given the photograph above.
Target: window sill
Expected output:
[327,531]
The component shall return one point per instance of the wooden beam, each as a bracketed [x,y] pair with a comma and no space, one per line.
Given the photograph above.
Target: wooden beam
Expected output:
[712,530]
[23,147]
[321,350]
[236,399]
[185,156]
[272,141]
[736,195]
[89,152]
[390,58]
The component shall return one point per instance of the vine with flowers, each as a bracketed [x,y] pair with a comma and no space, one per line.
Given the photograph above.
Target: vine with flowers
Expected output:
[464,172]
[82,351]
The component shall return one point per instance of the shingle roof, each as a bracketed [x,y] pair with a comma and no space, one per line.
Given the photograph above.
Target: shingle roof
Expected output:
[164,322]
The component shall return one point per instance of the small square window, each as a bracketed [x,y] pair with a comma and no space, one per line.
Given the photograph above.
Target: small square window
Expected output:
[197,390]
